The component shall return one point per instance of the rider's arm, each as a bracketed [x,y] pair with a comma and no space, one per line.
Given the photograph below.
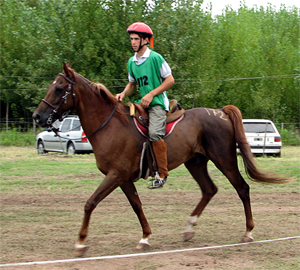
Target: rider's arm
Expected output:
[167,83]
[129,89]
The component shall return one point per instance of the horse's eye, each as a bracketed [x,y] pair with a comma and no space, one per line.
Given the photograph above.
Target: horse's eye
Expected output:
[58,90]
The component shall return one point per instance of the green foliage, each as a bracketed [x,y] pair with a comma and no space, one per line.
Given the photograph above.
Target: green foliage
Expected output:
[247,58]
[15,138]
[289,137]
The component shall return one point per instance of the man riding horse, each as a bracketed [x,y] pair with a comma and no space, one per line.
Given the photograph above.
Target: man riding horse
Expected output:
[150,71]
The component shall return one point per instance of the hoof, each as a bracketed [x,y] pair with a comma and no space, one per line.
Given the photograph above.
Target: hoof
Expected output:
[143,246]
[188,236]
[247,239]
[81,250]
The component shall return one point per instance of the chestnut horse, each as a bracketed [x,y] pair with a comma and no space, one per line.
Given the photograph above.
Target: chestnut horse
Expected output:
[202,135]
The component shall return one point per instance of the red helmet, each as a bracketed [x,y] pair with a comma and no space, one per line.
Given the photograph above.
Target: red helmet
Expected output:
[142,28]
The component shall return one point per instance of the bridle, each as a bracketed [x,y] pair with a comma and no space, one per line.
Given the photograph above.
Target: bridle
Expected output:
[54,112]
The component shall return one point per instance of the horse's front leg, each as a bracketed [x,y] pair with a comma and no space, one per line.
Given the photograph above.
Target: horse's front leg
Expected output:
[105,188]
[133,197]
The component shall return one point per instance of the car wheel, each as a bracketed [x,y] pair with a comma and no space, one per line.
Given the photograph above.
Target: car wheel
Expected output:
[71,149]
[41,148]
[278,154]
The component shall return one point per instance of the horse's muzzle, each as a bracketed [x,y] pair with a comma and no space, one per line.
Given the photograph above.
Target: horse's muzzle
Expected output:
[39,120]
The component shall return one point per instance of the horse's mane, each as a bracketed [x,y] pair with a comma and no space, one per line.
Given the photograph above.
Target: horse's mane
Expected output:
[103,93]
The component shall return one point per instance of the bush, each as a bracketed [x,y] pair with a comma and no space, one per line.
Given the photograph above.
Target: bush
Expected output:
[289,137]
[15,138]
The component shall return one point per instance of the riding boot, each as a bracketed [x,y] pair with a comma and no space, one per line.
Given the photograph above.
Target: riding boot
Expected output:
[160,152]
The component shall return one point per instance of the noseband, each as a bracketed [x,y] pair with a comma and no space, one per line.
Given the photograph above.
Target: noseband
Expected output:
[54,112]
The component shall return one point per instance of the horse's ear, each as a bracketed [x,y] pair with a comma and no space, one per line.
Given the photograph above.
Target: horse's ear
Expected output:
[68,71]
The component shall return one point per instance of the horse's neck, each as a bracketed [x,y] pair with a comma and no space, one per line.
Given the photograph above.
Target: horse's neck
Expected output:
[92,111]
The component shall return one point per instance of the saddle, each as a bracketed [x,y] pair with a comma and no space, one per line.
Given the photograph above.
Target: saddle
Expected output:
[141,118]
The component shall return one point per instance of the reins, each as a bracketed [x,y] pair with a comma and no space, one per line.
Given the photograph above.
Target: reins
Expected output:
[107,120]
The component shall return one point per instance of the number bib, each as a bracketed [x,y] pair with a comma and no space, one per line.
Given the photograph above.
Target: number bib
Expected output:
[147,76]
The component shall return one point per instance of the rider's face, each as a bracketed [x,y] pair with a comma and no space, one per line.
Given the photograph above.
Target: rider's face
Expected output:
[137,41]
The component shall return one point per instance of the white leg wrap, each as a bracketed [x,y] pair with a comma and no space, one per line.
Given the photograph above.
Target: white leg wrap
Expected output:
[144,241]
[79,246]
[248,234]
[192,221]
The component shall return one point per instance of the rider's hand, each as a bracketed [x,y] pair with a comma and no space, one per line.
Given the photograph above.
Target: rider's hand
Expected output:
[146,100]
[120,96]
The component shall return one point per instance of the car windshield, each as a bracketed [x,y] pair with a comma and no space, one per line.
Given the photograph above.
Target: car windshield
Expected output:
[258,127]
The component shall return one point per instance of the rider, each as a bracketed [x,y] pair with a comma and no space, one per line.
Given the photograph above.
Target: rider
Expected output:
[152,74]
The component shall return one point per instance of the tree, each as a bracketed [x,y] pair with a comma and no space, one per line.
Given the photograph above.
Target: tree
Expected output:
[248,57]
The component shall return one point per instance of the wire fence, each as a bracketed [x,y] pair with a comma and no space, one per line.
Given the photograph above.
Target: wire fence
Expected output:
[18,124]
[23,132]
[123,81]
[29,125]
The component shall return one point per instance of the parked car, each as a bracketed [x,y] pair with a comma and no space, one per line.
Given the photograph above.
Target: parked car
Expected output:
[263,137]
[71,138]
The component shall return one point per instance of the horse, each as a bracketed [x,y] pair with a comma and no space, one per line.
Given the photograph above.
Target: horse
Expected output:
[203,134]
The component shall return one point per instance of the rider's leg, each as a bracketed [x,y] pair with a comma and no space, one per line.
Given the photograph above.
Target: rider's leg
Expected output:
[157,129]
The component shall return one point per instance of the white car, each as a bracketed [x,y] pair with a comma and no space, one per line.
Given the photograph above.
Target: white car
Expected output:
[71,138]
[263,137]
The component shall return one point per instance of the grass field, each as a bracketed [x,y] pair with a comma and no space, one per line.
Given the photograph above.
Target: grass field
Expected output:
[21,166]
[42,200]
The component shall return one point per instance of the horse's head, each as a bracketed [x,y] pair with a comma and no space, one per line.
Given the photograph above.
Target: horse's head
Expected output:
[59,98]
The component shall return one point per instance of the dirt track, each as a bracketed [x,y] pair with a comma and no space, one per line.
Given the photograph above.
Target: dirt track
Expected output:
[45,228]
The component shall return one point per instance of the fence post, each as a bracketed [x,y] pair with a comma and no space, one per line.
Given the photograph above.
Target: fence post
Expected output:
[6,117]
[33,126]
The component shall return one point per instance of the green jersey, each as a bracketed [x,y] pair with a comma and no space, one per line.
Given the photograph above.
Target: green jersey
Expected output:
[147,76]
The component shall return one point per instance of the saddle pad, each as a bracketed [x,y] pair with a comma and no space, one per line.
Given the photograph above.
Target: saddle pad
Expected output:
[169,127]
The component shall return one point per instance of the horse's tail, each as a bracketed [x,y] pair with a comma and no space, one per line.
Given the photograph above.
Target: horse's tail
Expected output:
[253,173]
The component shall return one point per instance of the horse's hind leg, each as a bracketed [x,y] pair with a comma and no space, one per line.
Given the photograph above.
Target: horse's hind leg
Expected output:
[228,166]
[243,191]
[133,197]
[198,169]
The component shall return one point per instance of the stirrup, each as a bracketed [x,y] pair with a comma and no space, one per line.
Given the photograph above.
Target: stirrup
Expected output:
[157,182]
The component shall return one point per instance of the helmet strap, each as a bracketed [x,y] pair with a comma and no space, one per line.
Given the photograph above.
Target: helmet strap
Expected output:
[141,46]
